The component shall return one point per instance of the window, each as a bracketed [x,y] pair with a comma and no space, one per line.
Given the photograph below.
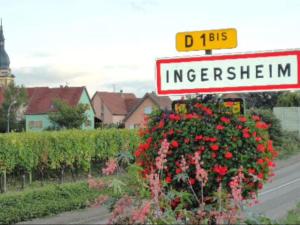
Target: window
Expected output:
[148,110]
[35,124]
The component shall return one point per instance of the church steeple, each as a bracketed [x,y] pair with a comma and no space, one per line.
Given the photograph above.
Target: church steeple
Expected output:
[5,73]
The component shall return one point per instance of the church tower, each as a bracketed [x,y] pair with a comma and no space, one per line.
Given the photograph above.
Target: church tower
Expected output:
[5,73]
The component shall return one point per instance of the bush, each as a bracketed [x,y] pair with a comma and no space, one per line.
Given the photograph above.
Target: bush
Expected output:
[275,129]
[40,202]
[290,144]
[226,143]
[289,99]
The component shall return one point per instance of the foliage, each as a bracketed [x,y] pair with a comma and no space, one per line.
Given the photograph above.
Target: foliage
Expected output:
[275,129]
[225,143]
[289,99]
[264,100]
[12,94]
[60,149]
[68,117]
[293,216]
[40,202]
[290,145]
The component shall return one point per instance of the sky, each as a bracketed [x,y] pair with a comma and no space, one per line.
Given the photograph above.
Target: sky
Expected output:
[109,45]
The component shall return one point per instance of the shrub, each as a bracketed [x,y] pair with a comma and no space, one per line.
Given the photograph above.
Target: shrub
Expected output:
[289,99]
[40,202]
[227,145]
[275,129]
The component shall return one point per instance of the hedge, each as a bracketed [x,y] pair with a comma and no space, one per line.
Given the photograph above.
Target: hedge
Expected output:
[39,202]
[56,149]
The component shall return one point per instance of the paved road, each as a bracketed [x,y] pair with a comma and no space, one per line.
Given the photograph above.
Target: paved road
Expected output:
[283,193]
[276,199]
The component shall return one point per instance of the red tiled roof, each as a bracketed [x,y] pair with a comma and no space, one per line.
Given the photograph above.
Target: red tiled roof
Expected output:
[117,103]
[40,99]
[163,102]
[1,96]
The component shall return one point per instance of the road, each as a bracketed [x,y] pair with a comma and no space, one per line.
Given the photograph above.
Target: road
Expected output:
[279,196]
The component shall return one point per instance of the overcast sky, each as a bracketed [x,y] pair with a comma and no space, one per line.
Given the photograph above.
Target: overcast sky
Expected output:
[100,44]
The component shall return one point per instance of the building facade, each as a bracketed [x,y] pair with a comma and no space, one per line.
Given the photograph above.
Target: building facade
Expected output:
[41,101]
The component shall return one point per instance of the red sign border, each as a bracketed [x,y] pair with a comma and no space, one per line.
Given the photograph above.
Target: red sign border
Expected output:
[227,89]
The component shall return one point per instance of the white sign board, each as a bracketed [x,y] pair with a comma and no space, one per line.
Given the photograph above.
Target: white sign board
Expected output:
[229,73]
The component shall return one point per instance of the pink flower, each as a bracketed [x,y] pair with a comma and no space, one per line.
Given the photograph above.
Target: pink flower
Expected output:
[201,174]
[220,127]
[140,215]
[228,155]
[111,166]
[162,153]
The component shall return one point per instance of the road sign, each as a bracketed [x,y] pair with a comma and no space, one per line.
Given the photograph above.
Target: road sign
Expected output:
[264,71]
[206,40]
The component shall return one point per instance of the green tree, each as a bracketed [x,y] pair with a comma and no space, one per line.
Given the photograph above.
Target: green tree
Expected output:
[262,100]
[15,100]
[289,99]
[68,117]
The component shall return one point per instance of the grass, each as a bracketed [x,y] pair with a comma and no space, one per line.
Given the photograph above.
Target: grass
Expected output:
[293,216]
[290,145]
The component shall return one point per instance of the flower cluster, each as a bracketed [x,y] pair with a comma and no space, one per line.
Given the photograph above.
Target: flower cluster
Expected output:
[209,144]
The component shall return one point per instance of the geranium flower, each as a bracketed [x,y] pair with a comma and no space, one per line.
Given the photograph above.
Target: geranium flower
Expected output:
[198,137]
[175,144]
[262,125]
[228,155]
[220,127]
[168,180]
[214,147]
[255,118]
[242,119]
[225,120]
[221,170]
[260,148]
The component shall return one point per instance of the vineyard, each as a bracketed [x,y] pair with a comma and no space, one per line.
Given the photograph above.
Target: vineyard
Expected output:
[35,154]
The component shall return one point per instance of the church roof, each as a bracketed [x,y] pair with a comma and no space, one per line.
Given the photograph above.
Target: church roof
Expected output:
[40,99]
[4,59]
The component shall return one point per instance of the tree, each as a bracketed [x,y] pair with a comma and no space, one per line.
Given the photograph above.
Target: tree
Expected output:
[15,100]
[264,100]
[289,99]
[67,116]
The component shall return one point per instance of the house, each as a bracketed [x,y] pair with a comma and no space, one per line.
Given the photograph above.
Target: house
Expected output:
[113,107]
[40,104]
[135,118]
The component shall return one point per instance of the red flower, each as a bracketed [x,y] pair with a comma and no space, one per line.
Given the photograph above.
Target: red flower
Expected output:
[255,118]
[198,137]
[258,139]
[192,181]
[260,148]
[174,117]
[171,132]
[214,147]
[175,144]
[213,139]
[168,179]
[228,155]
[262,125]
[138,153]
[191,116]
[239,127]
[220,127]
[260,161]
[161,124]
[251,171]
[225,120]
[178,171]
[260,185]
[260,176]
[214,155]
[221,170]
[186,140]
[246,135]
[242,119]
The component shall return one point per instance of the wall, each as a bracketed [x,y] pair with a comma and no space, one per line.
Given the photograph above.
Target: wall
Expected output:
[289,118]
[118,119]
[42,117]
[84,99]
[137,118]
